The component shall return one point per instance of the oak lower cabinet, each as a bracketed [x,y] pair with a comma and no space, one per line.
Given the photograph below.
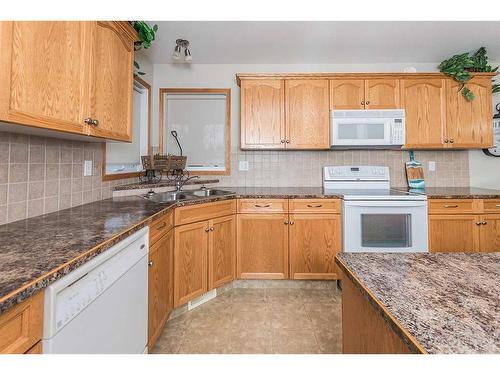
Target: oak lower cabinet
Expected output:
[204,257]
[160,278]
[315,239]
[56,74]
[21,327]
[453,233]
[262,246]
[489,234]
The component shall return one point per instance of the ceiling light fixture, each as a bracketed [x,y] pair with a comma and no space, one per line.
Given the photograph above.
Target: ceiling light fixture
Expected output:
[182,43]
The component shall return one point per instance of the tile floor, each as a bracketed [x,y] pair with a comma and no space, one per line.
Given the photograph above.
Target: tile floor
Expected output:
[259,321]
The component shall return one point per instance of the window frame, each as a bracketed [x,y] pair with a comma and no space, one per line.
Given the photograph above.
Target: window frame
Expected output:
[181,90]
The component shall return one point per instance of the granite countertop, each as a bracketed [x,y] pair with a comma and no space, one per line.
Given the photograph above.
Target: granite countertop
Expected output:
[455,192]
[448,302]
[280,192]
[162,183]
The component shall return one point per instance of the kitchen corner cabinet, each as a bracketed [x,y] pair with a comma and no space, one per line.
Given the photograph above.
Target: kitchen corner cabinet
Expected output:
[278,114]
[464,225]
[62,75]
[374,93]
[160,275]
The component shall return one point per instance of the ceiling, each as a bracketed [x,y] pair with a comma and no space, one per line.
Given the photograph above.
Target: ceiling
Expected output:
[287,42]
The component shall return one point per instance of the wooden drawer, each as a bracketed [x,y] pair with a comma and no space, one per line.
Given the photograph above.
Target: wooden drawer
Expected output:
[444,206]
[263,206]
[160,226]
[491,205]
[206,211]
[320,206]
[21,326]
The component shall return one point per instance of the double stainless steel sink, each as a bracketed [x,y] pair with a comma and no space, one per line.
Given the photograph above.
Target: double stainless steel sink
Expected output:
[174,196]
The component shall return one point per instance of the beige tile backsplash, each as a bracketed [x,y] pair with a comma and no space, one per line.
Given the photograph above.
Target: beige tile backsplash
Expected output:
[40,175]
[304,168]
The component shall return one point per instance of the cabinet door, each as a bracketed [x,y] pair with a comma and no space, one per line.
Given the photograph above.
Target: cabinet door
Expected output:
[111,80]
[160,285]
[262,114]
[468,124]
[262,246]
[453,233]
[221,251]
[489,237]
[347,94]
[307,114]
[190,262]
[314,241]
[43,74]
[424,102]
[382,94]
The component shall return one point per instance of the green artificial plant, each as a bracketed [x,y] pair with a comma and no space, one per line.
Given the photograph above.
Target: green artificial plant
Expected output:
[461,66]
[146,37]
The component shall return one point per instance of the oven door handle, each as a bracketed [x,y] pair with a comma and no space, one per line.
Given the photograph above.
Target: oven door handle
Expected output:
[389,203]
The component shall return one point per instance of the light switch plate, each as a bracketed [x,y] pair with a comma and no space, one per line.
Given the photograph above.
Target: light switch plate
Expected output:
[243,165]
[87,168]
[432,166]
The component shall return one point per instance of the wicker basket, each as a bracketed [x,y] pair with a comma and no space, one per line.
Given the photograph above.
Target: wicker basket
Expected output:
[164,162]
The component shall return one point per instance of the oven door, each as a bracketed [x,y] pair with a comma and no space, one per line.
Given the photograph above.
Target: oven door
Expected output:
[385,226]
[361,131]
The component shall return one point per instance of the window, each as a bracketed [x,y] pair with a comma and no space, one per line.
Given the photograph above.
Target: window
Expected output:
[123,160]
[201,118]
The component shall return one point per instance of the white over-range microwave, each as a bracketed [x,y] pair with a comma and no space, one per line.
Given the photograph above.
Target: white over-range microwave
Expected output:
[371,127]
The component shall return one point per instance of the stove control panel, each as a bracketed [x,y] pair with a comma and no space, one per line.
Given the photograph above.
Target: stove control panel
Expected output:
[356,173]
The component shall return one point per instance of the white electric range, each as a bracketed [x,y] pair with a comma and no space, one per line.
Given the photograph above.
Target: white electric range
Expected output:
[376,217]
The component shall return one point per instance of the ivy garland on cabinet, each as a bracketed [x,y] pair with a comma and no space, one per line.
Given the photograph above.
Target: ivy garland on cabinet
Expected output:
[146,37]
[460,67]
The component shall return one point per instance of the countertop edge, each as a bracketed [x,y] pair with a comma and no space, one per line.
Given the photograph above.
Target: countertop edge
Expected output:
[412,343]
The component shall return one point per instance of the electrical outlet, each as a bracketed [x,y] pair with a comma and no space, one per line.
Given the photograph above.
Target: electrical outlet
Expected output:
[243,165]
[87,168]
[432,166]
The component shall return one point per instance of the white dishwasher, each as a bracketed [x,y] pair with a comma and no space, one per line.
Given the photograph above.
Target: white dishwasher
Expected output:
[101,307]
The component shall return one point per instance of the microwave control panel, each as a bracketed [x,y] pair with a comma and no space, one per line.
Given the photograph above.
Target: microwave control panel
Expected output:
[397,132]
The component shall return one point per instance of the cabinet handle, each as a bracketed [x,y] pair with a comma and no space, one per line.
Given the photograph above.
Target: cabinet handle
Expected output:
[285,222]
[95,122]
[211,229]
[478,223]
[262,205]
[314,205]
[451,141]
[450,205]
[282,141]
[150,263]
[88,121]
[207,229]
[287,141]
[292,222]
[162,226]
[445,141]
[484,223]
[362,102]
[497,205]
[368,102]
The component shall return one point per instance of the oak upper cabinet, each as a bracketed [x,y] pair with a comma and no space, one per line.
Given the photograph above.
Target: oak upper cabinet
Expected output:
[262,246]
[62,75]
[190,262]
[111,80]
[44,74]
[160,285]
[347,94]
[468,123]
[453,233]
[307,114]
[424,101]
[376,93]
[314,241]
[263,114]
[221,251]
[382,93]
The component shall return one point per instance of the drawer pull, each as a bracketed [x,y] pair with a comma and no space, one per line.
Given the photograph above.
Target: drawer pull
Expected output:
[450,205]
[150,263]
[162,226]
[314,205]
[262,205]
[497,205]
